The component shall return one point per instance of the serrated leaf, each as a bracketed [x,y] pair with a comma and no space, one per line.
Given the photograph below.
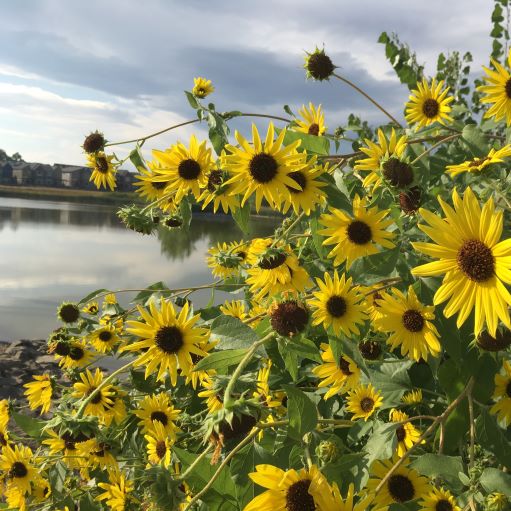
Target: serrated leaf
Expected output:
[192,100]
[309,143]
[242,217]
[93,295]
[382,442]
[232,333]
[302,412]
[494,480]
[220,360]
[447,467]
[31,426]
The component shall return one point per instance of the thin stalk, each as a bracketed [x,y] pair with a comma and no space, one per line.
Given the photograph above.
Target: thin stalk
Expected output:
[195,463]
[434,146]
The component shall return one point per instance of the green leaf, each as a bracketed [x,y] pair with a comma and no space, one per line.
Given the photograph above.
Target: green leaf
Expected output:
[494,480]
[309,143]
[140,383]
[317,239]
[382,264]
[220,360]
[32,427]
[185,208]
[302,412]
[232,333]
[382,443]
[439,465]
[491,437]
[475,139]
[93,295]
[192,100]
[242,217]
[305,348]
[87,503]
[290,359]
[137,160]
[158,287]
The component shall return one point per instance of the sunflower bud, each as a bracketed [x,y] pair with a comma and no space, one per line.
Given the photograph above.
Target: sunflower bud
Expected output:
[410,200]
[370,350]
[500,342]
[135,219]
[328,451]
[68,312]
[94,142]
[318,65]
[398,173]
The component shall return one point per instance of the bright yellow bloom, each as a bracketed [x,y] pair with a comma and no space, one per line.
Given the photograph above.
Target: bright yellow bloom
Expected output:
[4,413]
[202,87]
[97,455]
[220,193]
[76,355]
[234,308]
[148,184]
[104,338]
[91,308]
[312,122]
[502,393]
[439,499]
[263,393]
[478,164]
[413,397]
[428,104]
[407,434]
[158,445]
[66,446]
[103,170]
[16,461]
[214,395]
[158,408]
[362,401]
[225,260]
[333,501]
[101,400]
[116,491]
[39,393]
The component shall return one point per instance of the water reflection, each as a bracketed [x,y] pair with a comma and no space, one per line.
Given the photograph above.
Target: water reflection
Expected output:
[53,251]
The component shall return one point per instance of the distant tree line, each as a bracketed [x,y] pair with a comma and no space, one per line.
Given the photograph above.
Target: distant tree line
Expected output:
[16,157]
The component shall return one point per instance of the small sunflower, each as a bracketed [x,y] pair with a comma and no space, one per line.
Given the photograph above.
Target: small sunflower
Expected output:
[502,393]
[404,485]
[109,299]
[378,153]
[407,434]
[428,104]
[220,193]
[97,454]
[185,169]
[39,393]
[410,325]
[115,412]
[66,445]
[90,382]
[167,339]
[263,168]
[202,87]
[147,183]
[158,445]
[413,397]
[213,393]
[340,375]
[333,501]
[16,463]
[116,491]
[288,490]
[318,65]
[497,501]
[15,498]
[338,304]
[103,170]
[234,308]
[158,408]
[74,355]
[104,338]
[358,236]
[439,500]
[478,164]
[312,121]
[263,393]
[68,312]
[362,401]
[475,264]
[225,260]
[91,308]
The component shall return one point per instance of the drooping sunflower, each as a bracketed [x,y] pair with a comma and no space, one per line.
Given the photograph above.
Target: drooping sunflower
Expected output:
[439,500]
[90,382]
[333,501]
[66,446]
[16,462]
[428,104]
[472,260]
[225,260]
[407,434]
[39,393]
[263,168]
[502,393]
[378,153]
[413,397]
[288,490]
[358,236]
[219,192]
[410,324]
[497,90]
[478,164]
[158,408]
[337,304]
[115,412]
[234,308]
[310,195]
[103,170]
[312,121]
[263,393]
[4,413]
[147,184]
[202,87]
[158,445]
[404,485]
[167,339]
[104,338]
[213,393]
[340,375]
[362,401]
[185,169]
[73,355]
[97,454]
[116,491]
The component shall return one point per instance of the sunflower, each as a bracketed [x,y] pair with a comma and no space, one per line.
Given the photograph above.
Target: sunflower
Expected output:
[15,498]
[413,397]
[340,375]
[410,325]
[378,153]
[288,490]
[97,454]
[116,491]
[42,489]
[407,434]
[66,446]
[109,299]
[497,90]
[404,485]
[158,445]
[4,413]
[101,400]
[358,236]
[428,104]
[234,308]
[310,195]
[104,338]
[502,408]
[263,168]
[362,401]
[74,355]
[39,393]
[263,393]
[497,501]
[202,87]
[16,463]
[220,193]
[147,183]
[91,308]
[478,164]
[439,499]
[194,377]
[333,501]
[168,339]
[337,304]
[103,170]
[158,408]
[313,121]
[184,168]
[115,412]
[213,393]
[472,259]
[372,305]
[225,259]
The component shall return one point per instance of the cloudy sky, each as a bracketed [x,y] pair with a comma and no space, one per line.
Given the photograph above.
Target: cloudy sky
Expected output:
[69,67]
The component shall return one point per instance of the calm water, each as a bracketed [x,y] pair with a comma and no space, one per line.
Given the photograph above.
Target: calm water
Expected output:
[55,251]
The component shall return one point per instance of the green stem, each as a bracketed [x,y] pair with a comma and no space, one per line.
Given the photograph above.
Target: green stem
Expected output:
[198,459]
[434,146]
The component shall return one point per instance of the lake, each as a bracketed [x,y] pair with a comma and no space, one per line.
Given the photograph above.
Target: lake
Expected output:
[56,251]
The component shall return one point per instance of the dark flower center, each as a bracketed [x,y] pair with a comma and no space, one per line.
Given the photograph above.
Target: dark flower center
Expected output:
[401,433]
[397,172]
[344,366]
[430,108]
[298,497]
[401,488]
[476,261]
[214,180]
[160,417]
[94,142]
[169,339]
[370,350]
[501,340]
[477,162]
[273,261]
[367,404]
[359,232]
[508,388]
[3,439]
[159,185]
[300,179]
[410,200]
[69,312]
[263,167]
[336,306]
[62,349]
[161,449]
[313,129]
[76,353]
[101,164]
[413,320]
[97,397]
[173,222]
[289,318]
[241,425]
[105,336]
[508,88]
[18,469]
[195,358]
[443,505]
[320,66]
[188,169]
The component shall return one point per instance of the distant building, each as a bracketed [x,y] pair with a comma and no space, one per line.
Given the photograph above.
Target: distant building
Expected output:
[6,177]
[74,176]
[125,179]
[35,174]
